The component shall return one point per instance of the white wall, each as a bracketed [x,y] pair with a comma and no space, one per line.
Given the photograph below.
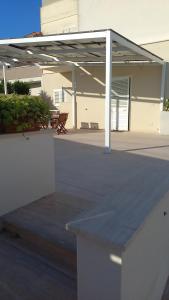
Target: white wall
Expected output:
[99,278]
[164,122]
[160,48]
[59,16]
[91,93]
[140,272]
[141,21]
[35,91]
[146,261]
[26,169]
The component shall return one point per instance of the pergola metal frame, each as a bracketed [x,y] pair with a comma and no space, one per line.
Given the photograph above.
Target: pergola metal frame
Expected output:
[75,49]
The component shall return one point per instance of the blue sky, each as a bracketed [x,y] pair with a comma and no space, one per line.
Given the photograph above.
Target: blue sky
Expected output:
[19,17]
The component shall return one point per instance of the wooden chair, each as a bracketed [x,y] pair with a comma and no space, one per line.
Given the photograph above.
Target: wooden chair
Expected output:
[54,123]
[61,123]
[54,119]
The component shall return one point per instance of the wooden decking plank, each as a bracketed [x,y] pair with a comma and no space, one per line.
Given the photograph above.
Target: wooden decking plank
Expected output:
[26,277]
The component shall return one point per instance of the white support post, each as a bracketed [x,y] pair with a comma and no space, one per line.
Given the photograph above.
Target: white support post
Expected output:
[108,92]
[163,80]
[5,81]
[74,104]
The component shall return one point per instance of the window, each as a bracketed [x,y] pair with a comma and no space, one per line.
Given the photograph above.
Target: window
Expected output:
[58,96]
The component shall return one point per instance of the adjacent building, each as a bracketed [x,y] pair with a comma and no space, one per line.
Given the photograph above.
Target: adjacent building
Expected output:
[30,74]
[137,90]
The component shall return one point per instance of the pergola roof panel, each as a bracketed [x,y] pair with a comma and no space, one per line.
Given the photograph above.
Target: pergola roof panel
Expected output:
[72,47]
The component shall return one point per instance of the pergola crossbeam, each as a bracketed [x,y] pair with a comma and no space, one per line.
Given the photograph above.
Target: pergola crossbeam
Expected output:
[79,50]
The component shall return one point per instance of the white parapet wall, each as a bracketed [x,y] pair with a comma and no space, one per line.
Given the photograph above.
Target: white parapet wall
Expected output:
[99,270]
[164,122]
[27,169]
[137,269]
[145,266]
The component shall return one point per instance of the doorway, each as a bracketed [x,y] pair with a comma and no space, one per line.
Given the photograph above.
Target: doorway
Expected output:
[120,104]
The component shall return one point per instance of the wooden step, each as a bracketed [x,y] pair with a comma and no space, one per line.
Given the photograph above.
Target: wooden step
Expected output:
[27,276]
[56,253]
[41,227]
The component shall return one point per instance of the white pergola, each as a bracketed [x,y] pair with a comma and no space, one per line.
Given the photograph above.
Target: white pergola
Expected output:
[76,49]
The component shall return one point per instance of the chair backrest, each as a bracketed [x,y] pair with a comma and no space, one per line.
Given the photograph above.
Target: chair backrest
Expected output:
[54,114]
[63,117]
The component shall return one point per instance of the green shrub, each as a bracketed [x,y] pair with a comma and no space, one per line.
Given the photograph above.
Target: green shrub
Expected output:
[22,112]
[17,87]
[166,105]
[1,88]
[9,87]
[21,88]
[47,99]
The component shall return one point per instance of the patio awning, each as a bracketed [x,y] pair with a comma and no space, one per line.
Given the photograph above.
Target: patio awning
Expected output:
[98,47]
[79,47]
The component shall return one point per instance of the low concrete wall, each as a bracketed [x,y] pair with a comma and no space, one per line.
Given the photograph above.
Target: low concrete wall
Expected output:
[145,267]
[134,269]
[26,169]
[99,277]
[164,122]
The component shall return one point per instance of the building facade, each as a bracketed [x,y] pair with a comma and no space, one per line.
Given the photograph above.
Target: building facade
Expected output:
[136,89]
[145,22]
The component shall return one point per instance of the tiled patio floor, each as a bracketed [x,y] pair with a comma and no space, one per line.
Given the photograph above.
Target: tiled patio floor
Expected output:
[83,169]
